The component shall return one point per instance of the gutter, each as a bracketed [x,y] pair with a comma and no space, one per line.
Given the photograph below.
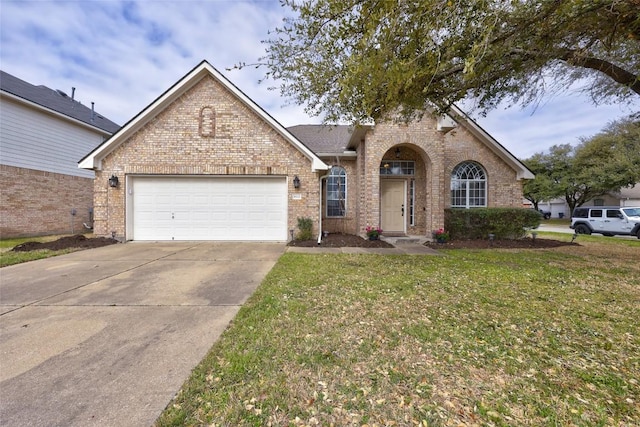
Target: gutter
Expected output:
[320,207]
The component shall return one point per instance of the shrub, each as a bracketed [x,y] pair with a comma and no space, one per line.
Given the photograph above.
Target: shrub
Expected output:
[478,223]
[305,225]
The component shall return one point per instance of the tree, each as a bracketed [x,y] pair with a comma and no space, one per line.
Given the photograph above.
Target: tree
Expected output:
[358,60]
[599,165]
[542,187]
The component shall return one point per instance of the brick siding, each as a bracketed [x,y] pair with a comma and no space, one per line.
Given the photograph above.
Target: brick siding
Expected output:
[34,202]
[435,155]
[175,142]
[208,131]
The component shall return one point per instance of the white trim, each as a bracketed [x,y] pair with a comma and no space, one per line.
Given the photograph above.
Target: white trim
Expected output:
[94,159]
[522,171]
[329,176]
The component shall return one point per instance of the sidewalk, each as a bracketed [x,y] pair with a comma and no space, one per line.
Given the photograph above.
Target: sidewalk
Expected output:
[555,229]
[403,249]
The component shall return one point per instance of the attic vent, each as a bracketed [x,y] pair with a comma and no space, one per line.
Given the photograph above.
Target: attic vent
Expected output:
[207,125]
[61,93]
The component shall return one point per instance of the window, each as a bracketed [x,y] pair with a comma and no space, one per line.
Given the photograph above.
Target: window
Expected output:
[581,213]
[337,192]
[388,167]
[598,202]
[596,213]
[613,213]
[468,186]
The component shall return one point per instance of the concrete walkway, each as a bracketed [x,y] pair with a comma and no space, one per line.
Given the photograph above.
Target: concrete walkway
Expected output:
[106,337]
[400,249]
[556,229]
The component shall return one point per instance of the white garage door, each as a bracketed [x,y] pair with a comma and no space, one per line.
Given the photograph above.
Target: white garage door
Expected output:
[219,208]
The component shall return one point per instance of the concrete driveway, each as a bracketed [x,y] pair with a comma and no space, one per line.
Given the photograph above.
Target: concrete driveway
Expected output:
[106,337]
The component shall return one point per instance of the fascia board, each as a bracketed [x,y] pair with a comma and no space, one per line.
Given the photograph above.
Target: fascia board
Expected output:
[93,160]
[316,162]
[522,171]
[345,154]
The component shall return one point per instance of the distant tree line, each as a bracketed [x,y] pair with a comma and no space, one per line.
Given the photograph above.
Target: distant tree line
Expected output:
[601,164]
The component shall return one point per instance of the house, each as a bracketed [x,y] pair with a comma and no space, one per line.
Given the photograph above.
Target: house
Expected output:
[628,196]
[43,134]
[204,162]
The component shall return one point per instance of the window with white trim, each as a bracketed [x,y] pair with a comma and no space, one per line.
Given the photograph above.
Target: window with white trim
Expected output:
[468,186]
[337,192]
[399,167]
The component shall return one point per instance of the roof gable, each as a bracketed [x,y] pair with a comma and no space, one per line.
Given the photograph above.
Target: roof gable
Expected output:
[93,160]
[337,139]
[462,119]
[55,101]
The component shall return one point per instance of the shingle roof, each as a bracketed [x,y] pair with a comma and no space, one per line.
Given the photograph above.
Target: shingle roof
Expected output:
[56,101]
[323,139]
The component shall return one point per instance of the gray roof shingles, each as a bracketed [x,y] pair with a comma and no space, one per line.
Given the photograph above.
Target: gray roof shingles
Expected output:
[323,139]
[55,101]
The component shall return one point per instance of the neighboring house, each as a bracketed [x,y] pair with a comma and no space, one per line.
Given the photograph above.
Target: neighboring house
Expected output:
[625,197]
[204,162]
[43,134]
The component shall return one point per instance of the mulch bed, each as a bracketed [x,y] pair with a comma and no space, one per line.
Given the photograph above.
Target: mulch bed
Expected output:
[526,243]
[338,240]
[333,240]
[67,242]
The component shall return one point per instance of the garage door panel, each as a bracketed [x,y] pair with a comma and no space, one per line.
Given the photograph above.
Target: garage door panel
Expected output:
[220,208]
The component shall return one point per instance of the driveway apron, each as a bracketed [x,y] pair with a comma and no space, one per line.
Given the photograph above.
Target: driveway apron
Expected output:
[106,337]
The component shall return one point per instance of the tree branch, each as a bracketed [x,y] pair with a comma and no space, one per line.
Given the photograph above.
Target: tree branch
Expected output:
[616,73]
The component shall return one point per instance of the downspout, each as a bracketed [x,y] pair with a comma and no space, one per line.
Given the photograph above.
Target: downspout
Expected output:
[320,208]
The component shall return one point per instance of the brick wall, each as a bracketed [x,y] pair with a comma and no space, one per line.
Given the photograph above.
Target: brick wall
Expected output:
[34,202]
[421,142]
[348,224]
[435,155]
[503,188]
[207,131]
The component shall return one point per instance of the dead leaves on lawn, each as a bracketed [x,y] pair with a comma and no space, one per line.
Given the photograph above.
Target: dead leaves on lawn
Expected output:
[486,338]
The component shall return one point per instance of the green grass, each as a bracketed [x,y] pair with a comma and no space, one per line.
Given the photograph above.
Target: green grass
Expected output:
[7,257]
[484,337]
[557,222]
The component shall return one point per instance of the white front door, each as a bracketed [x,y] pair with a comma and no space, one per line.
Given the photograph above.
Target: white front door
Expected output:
[393,205]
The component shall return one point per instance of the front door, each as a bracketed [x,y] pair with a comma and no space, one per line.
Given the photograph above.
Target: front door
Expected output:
[392,205]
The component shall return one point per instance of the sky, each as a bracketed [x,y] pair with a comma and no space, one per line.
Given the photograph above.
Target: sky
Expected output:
[123,54]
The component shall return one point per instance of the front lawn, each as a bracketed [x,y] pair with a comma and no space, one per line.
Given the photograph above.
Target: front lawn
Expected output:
[484,337]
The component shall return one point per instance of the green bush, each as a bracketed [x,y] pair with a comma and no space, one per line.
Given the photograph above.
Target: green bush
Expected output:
[305,225]
[478,223]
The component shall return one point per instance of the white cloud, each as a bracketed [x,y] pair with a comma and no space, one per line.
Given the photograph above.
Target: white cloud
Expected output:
[123,55]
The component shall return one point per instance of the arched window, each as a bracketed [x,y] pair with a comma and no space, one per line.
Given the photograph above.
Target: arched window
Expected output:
[337,192]
[468,186]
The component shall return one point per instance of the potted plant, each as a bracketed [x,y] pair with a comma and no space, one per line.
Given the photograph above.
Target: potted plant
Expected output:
[441,236]
[373,232]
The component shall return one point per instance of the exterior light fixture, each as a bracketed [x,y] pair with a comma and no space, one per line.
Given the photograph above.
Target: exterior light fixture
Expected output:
[296,182]
[398,153]
[113,181]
